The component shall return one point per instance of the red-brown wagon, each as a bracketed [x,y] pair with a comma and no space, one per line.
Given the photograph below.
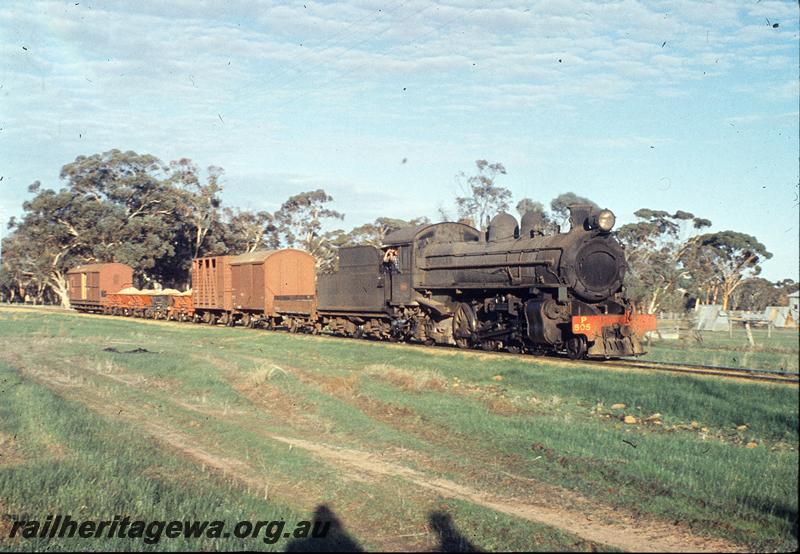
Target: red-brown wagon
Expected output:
[90,285]
[274,287]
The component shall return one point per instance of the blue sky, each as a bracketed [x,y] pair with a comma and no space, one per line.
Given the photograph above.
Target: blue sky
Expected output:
[668,105]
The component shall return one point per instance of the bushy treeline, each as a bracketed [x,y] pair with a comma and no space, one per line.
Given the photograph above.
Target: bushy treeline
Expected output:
[672,262]
[135,209]
[155,216]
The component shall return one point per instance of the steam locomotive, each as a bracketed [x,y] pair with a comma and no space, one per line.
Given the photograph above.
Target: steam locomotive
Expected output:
[517,287]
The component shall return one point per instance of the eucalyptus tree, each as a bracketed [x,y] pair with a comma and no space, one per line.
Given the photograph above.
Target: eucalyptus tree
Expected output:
[654,248]
[485,198]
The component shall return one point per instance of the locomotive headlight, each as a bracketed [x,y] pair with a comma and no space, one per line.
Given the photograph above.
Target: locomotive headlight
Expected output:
[606,220]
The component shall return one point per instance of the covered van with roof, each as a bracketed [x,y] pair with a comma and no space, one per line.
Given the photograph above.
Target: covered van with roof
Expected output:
[267,281]
[89,285]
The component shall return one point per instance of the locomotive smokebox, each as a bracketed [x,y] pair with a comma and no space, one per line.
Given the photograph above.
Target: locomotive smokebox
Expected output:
[594,266]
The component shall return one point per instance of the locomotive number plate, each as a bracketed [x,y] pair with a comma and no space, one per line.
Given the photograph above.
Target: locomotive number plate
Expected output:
[581,325]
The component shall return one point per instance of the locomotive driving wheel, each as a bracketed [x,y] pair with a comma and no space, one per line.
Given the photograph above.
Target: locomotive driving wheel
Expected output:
[465,322]
[576,347]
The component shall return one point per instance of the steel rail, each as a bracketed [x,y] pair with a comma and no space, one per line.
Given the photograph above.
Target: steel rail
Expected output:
[769,375]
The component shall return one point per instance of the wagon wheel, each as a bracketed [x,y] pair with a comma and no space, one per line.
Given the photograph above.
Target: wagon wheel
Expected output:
[465,322]
[576,347]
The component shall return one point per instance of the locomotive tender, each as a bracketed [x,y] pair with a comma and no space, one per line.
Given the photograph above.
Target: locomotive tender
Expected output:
[519,288]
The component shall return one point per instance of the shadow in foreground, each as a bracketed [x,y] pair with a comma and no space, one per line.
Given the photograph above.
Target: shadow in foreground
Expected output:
[335,538]
[450,540]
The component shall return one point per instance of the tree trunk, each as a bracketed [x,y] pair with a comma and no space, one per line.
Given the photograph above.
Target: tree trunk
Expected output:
[58,282]
[40,288]
[727,291]
[651,308]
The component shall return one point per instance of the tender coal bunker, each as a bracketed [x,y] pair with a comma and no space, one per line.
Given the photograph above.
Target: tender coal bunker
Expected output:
[598,269]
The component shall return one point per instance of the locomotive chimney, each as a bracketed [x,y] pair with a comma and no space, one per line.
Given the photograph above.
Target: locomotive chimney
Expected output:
[578,214]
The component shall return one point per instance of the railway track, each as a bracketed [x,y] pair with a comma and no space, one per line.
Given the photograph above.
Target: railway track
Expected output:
[769,375]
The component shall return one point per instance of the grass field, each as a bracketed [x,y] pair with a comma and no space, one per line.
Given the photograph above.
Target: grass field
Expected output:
[410,447]
[775,350]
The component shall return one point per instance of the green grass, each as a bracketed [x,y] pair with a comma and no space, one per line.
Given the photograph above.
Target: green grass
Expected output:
[778,350]
[488,421]
[73,462]
[107,467]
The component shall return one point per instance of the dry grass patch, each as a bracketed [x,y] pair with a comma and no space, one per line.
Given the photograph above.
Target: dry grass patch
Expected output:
[10,454]
[386,411]
[340,387]
[275,401]
[56,450]
[503,407]
[411,381]
[263,374]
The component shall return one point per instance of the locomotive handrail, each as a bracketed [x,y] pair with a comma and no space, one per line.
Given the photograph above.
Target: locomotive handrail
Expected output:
[494,264]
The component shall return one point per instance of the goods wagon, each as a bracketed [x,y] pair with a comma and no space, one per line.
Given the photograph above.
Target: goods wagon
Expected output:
[175,306]
[89,285]
[273,287]
[211,288]
[151,304]
[130,301]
